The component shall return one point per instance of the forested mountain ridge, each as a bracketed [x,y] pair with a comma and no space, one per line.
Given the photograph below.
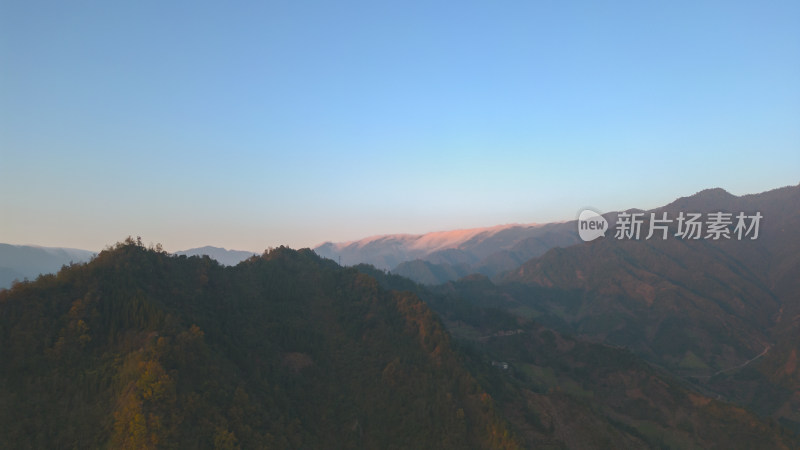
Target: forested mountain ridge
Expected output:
[20,262]
[140,349]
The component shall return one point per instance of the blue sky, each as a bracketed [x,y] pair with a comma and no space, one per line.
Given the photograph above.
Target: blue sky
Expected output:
[255,124]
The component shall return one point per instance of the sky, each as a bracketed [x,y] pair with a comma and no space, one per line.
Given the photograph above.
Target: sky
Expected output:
[254,124]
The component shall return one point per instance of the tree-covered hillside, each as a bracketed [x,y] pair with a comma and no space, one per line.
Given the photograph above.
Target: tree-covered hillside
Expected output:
[140,349]
[564,392]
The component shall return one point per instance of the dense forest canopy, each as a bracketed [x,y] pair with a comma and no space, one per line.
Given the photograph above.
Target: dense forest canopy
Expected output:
[140,349]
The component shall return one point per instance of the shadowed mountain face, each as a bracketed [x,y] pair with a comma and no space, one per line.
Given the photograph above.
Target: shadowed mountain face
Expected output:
[18,262]
[592,396]
[561,392]
[434,258]
[702,308]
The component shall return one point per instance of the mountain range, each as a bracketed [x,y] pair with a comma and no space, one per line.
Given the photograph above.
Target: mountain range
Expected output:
[142,349]
[438,257]
[433,258]
[722,315]
[667,342]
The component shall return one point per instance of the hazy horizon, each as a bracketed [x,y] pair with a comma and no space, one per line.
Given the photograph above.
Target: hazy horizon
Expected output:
[170,248]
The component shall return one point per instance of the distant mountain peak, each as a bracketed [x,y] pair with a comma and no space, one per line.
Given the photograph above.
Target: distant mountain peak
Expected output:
[220,254]
[29,261]
[210,248]
[713,193]
[706,200]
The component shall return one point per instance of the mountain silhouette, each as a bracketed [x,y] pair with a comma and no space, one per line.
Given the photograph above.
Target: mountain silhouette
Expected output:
[18,262]
[221,255]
